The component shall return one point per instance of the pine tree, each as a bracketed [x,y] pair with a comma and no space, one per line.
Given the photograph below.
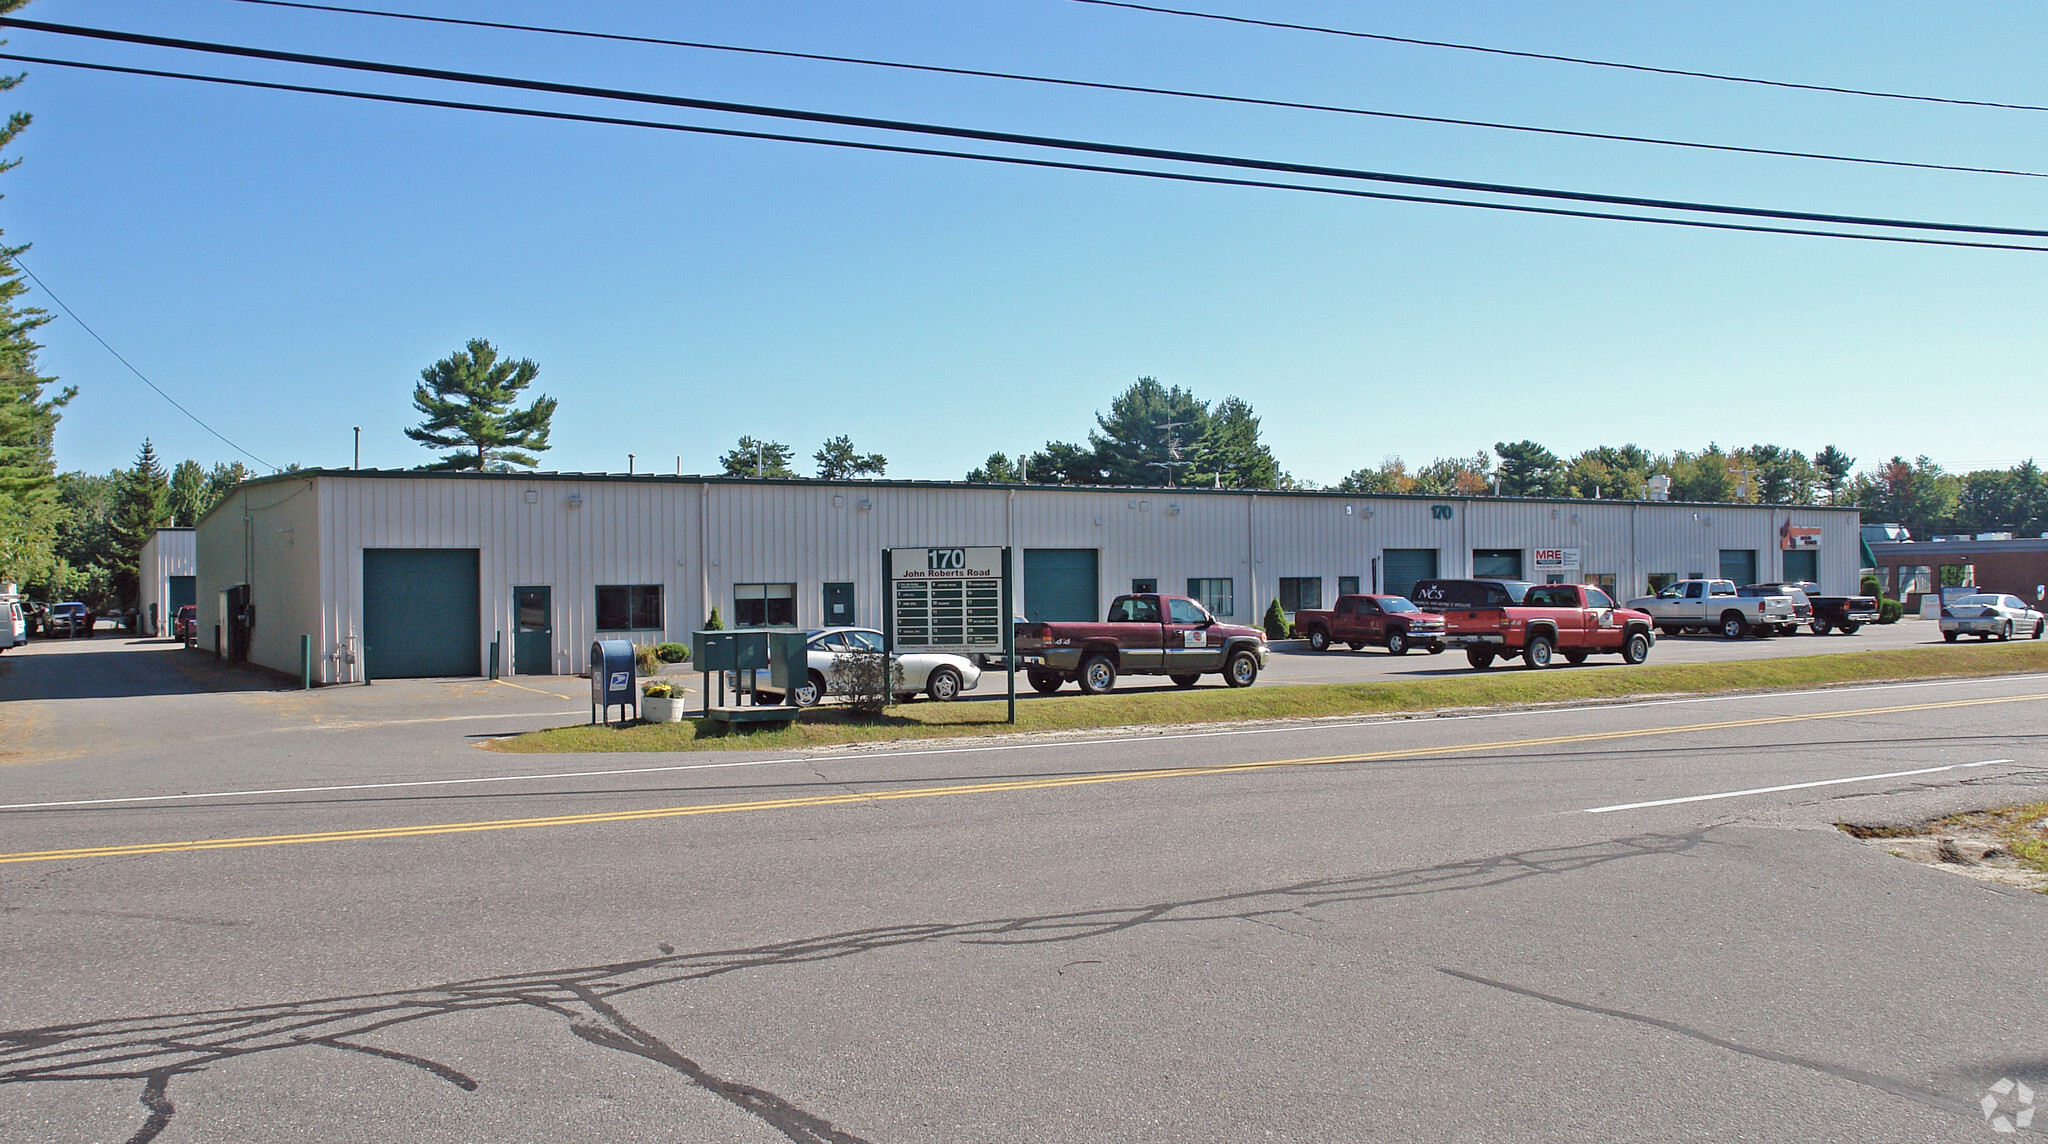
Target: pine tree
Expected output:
[1229,453]
[837,461]
[1148,433]
[470,401]
[189,501]
[757,458]
[144,507]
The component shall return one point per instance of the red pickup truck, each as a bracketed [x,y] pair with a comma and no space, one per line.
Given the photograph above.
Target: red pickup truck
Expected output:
[1572,620]
[1390,622]
[1144,635]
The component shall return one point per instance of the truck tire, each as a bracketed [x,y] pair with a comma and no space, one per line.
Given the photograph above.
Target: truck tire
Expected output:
[1436,649]
[1241,669]
[1950,637]
[1666,630]
[943,685]
[1185,680]
[1850,629]
[813,689]
[1733,626]
[1480,658]
[1397,642]
[1821,627]
[1536,653]
[1097,675]
[1044,682]
[1576,656]
[1636,648]
[1318,639]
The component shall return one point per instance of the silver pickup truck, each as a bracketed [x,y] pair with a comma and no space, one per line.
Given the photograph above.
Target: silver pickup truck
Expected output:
[1714,605]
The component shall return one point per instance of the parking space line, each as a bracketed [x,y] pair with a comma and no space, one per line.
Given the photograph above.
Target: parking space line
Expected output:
[1789,786]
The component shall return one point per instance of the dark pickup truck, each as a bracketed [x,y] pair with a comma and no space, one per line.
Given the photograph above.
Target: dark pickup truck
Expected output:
[1842,614]
[1572,620]
[1391,622]
[1144,634]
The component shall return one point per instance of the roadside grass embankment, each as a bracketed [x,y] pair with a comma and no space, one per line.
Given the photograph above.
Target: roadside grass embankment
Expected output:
[1502,687]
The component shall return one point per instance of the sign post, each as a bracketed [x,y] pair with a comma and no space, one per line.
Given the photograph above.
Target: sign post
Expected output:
[954,600]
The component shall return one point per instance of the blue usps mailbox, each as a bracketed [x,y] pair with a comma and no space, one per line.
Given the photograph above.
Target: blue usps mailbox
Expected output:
[612,678]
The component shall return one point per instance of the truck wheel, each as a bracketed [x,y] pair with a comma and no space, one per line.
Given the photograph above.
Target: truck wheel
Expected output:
[1576,656]
[1318,639]
[1850,629]
[1636,648]
[1734,627]
[1098,675]
[1821,627]
[1537,652]
[1397,642]
[1950,637]
[1044,682]
[943,685]
[1666,630]
[1185,680]
[1241,670]
[1436,649]
[808,694]
[1479,657]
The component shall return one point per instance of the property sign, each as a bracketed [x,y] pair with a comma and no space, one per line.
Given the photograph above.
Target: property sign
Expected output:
[1555,560]
[947,599]
[1800,537]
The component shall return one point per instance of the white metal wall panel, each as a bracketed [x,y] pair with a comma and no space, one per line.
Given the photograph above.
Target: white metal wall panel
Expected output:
[168,552]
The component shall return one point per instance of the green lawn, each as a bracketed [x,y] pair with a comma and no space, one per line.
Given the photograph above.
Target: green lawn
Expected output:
[1502,687]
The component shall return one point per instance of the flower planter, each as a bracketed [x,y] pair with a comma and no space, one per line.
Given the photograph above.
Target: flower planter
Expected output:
[654,710]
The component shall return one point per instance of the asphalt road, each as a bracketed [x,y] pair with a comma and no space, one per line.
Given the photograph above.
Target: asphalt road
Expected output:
[1490,927]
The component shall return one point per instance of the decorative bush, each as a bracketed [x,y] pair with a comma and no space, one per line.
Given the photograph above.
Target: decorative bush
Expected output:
[1871,586]
[1277,627]
[673,652]
[644,659]
[1889,611]
[714,624]
[864,680]
[659,691]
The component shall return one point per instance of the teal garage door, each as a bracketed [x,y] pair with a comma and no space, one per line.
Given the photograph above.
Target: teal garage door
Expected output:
[1404,566]
[1739,565]
[1060,584]
[421,612]
[180,592]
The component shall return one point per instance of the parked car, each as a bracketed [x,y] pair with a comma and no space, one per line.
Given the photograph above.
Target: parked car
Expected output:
[71,617]
[1144,634]
[1715,605]
[1802,606]
[1844,614]
[940,675]
[1441,595]
[13,623]
[1990,614]
[1572,620]
[185,622]
[1391,622]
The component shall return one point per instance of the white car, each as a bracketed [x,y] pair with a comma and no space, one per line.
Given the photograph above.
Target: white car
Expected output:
[940,675]
[1990,614]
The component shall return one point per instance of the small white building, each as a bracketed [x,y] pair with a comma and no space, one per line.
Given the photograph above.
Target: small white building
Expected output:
[424,572]
[168,570]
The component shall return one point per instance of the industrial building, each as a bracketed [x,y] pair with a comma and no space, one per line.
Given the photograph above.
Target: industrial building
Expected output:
[166,570]
[1909,570]
[422,573]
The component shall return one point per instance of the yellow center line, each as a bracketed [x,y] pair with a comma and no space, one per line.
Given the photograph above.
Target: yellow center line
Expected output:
[989,787]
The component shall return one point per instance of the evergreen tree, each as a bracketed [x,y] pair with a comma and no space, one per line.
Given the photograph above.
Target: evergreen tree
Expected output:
[144,507]
[837,461]
[470,402]
[998,469]
[1229,453]
[1064,463]
[757,458]
[189,501]
[1832,467]
[1391,477]
[1529,470]
[1148,433]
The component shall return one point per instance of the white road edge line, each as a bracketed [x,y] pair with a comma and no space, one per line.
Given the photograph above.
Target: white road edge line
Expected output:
[1789,786]
[988,748]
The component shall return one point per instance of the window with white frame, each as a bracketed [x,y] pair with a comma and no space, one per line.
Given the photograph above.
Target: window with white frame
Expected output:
[764,605]
[629,607]
[1216,593]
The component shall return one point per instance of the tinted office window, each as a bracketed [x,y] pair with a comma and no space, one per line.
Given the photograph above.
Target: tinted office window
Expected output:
[628,607]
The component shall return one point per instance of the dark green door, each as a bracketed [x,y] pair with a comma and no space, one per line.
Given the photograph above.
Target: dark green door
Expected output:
[1802,564]
[181,592]
[1404,566]
[1739,565]
[533,635]
[421,612]
[1060,584]
[838,604]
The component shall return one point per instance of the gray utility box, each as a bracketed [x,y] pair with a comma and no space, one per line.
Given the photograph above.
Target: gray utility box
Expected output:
[613,678]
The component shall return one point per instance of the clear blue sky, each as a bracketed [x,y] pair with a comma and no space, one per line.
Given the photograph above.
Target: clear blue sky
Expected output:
[286,264]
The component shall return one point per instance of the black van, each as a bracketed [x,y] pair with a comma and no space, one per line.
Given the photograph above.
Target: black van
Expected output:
[1443,595]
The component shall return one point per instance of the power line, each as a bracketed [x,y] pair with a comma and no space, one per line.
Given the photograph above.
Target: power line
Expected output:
[1017,160]
[1139,89]
[1722,77]
[131,366]
[1043,141]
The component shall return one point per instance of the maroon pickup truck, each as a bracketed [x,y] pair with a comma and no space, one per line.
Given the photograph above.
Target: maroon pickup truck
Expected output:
[1390,622]
[1144,635]
[1572,620]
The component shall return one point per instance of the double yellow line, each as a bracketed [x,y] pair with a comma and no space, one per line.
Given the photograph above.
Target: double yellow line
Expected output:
[958,788]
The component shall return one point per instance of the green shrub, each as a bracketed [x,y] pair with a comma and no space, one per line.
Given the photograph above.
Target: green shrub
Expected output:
[1872,586]
[673,652]
[1276,625]
[1889,611]
[644,659]
[714,624]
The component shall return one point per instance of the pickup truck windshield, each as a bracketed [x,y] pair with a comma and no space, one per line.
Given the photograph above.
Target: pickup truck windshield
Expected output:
[1397,604]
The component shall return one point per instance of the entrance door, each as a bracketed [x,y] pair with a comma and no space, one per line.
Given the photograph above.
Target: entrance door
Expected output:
[838,605]
[533,631]
[422,614]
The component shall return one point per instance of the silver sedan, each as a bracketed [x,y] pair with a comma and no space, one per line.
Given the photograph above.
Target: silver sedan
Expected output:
[1990,614]
[939,675]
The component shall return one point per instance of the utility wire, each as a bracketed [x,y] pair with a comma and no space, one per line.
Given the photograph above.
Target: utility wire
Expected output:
[1178,93]
[131,366]
[1560,59]
[1014,160]
[1043,141]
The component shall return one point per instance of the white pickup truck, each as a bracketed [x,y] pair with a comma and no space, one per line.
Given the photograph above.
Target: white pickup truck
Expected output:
[1714,605]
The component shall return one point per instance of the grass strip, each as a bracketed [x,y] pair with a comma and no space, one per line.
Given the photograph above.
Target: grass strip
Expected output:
[1502,687]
